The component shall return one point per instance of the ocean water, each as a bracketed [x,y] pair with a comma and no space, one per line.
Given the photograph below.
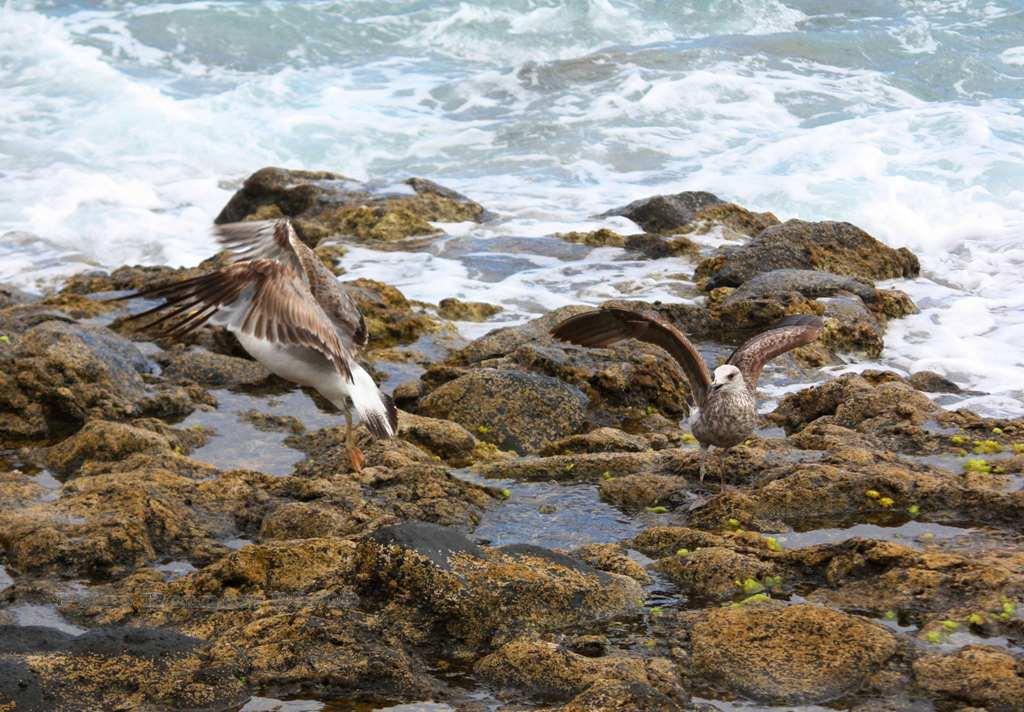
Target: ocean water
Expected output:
[125,126]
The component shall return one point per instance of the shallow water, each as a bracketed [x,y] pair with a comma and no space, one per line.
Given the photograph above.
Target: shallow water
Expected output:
[238,444]
[271,704]
[552,515]
[175,569]
[129,124]
[913,534]
[39,614]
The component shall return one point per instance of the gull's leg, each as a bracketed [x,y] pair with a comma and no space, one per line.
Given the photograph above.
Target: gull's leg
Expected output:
[721,468]
[355,455]
[703,460]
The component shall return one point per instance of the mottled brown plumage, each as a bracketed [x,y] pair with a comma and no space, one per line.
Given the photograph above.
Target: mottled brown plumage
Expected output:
[287,310]
[725,406]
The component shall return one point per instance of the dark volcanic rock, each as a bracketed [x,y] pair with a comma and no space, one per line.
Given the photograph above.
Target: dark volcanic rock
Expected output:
[662,213]
[19,686]
[931,382]
[809,283]
[836,247]
[437,544]
[137,642]
[514,410]
[671,213]
[326,204]
[108,668]
[215,370]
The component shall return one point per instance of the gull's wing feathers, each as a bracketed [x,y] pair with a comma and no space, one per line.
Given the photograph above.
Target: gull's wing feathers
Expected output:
[276,240]
[609,325]
[758,350]
[337,303]
[259,239]
[263,298]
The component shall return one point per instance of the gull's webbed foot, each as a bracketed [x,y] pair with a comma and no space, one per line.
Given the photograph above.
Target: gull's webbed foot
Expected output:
[357,458]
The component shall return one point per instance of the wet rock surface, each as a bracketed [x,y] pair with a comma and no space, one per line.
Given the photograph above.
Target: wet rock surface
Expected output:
[325,204]
[836,247]
[682,211]
[458,310]
[537,535]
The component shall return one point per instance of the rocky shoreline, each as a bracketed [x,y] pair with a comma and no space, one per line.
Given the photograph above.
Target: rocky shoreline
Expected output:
[179,530]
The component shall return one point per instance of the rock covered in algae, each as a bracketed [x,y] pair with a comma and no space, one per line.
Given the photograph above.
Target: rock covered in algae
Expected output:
[511,409]
[547,671]
[976,675]
[458,310]
[837,247]
[477,598]
[326,204]
[787,654]
[56,375]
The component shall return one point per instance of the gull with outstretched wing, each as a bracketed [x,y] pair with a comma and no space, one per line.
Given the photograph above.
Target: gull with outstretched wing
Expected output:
[725,404]
[288,311]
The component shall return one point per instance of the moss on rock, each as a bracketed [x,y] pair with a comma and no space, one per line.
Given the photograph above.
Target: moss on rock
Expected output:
[511,409]
[787,654]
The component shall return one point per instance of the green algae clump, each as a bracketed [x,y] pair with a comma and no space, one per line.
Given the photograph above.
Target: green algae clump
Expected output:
[751,599]
[751,586]
[987,447]
[979,466]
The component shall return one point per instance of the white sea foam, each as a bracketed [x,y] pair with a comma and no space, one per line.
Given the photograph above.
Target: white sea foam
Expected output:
[126,127]
[1014,55]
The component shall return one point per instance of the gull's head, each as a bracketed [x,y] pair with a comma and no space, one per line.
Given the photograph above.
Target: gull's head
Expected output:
[727,378]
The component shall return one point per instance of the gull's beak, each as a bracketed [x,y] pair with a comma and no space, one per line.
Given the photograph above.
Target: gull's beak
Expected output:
[715,385]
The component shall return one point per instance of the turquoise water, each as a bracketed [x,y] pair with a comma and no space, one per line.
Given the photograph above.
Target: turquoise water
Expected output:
[127,125]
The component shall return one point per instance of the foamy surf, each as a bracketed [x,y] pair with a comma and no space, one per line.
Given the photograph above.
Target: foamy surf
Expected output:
[128,127]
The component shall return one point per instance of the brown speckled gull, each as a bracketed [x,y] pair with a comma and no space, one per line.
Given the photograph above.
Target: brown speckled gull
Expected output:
[288,311]
[725,404]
